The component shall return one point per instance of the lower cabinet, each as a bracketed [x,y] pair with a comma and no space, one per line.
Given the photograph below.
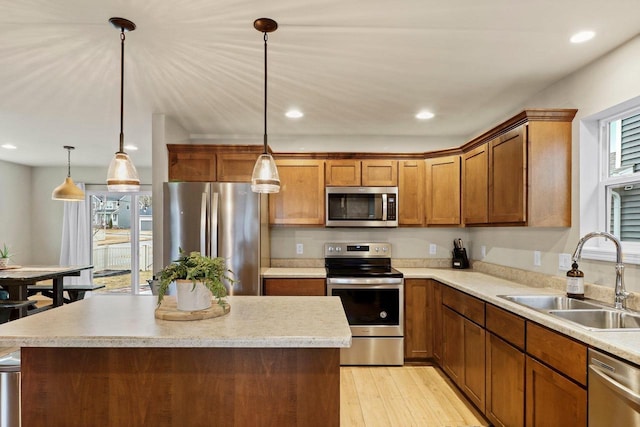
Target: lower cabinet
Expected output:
[294,287]
[552,399]
[505,383]
[418,319]
[453,344]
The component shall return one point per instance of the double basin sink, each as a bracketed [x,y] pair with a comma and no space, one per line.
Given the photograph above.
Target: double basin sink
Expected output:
[589,315]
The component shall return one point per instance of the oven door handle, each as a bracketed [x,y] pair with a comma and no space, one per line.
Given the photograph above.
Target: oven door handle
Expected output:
[364,281]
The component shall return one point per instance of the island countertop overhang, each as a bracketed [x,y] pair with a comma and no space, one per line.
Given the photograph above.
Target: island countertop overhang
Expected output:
[128,321]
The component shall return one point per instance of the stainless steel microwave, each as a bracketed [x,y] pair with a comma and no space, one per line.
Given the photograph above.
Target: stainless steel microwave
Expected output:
[361,207]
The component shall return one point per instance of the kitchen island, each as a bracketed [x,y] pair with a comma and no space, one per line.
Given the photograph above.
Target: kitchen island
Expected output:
[107,361]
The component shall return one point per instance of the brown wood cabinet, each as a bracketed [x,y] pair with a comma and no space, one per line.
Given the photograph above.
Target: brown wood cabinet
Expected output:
[442,191]
[475,186]
[301,197]
[527,172]
[206,163]
[464,343]
[552,399]
[343,173]
[418,332]
[379,173]
[411,192]
[192,163]
[505,367]
[508,177]
[294,287]
[437,322]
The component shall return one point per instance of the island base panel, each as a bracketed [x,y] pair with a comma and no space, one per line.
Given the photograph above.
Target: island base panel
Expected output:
[181,386]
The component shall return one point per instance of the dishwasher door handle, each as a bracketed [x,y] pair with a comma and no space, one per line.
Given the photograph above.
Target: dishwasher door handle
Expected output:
[619,389]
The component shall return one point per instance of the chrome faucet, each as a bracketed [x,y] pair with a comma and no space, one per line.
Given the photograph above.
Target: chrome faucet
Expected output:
[621,295]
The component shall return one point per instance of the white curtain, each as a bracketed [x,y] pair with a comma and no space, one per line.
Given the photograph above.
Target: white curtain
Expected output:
[76,239]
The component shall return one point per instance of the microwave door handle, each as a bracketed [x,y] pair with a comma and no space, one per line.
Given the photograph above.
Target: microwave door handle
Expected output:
[384,207]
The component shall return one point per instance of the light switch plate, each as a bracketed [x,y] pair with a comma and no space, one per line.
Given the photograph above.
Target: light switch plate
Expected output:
[432,249]
[564,262]
[537,261]
[299,248]
[483,251]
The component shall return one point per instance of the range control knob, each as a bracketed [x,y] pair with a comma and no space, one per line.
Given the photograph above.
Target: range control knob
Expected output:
[377,249]
[338,249]
[384,249]
[330,249]
[383,314]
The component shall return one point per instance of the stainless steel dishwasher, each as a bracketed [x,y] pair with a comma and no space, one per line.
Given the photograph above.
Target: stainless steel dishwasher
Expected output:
[614,392]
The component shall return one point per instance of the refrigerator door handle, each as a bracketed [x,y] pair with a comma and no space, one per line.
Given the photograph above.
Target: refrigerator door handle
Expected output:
[213,242]
[203,224]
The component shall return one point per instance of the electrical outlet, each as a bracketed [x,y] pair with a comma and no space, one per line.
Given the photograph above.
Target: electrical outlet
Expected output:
[483,251]
[536,259]
[564,262]
[432,249]
[299,248]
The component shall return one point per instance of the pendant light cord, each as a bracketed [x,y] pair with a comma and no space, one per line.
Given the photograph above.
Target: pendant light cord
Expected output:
[68,162]
[265,92]
[122,37]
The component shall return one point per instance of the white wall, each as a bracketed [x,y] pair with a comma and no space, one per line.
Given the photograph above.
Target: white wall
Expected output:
[15,210]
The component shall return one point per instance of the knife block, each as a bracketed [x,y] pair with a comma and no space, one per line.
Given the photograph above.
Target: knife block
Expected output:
[460,259]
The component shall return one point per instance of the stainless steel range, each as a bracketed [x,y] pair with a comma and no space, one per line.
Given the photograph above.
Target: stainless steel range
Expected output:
[372,294]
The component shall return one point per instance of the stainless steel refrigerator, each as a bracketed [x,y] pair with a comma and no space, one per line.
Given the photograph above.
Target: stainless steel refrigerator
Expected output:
[219,219]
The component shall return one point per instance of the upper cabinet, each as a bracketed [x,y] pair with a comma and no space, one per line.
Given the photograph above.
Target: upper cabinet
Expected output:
[200,162]
[379,173]
[367,173]
[442,191]
[519,173]
[411,192]
[301,197]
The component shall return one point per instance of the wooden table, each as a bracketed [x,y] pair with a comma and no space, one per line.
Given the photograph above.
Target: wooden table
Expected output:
[16,281]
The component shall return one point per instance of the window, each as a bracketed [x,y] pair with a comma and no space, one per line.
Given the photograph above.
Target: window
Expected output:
[620,181]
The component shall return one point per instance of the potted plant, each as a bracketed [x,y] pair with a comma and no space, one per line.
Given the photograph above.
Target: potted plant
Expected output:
[198,278]
[5,254]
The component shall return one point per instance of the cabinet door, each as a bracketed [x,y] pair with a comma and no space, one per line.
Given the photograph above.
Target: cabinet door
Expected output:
[380,173]
[442,193]
[552,399]
[474,363]
[475,185]
[411,192]
[418,339]
[235,167]
[343,173]
[294,287]
[437,322]
[453,344]
[192,164]
[504,383]
[301,197]
[508,177]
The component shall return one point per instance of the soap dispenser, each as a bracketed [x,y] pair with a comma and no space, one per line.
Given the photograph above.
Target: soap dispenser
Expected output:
[575,282]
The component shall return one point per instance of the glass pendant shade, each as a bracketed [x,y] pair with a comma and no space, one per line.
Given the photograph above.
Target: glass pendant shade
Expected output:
[265,178]
[68,191]
[122,174]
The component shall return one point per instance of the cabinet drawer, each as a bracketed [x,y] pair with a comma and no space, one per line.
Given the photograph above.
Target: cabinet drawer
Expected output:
[556,350]
[470,307]
[507,326]
[294,287]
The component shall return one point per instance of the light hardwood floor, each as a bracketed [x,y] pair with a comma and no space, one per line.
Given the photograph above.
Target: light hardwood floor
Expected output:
[402,396]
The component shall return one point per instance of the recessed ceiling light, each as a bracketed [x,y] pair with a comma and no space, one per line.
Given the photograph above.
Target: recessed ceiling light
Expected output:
[8,146]
[131,147]
[424,115]
[582,36]
[294,114]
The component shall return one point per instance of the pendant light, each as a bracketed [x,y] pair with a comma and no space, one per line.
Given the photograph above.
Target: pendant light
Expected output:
[122,174]
[265,177]
[68,191]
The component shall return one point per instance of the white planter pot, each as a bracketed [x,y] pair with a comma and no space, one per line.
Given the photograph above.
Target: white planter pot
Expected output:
[189,298]
[4,262]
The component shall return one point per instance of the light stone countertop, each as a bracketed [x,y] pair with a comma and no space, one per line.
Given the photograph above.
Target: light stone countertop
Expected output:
[295,273]
[624,344]
[128,321]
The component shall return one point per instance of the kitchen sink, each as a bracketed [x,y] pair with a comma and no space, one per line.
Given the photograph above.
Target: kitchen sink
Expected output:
[601,319]
[550,302]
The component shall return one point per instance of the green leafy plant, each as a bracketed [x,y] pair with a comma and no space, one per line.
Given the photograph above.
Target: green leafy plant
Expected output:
[197,268]
[4,252]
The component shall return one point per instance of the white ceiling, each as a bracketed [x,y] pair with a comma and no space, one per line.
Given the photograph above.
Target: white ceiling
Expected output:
[359,69]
